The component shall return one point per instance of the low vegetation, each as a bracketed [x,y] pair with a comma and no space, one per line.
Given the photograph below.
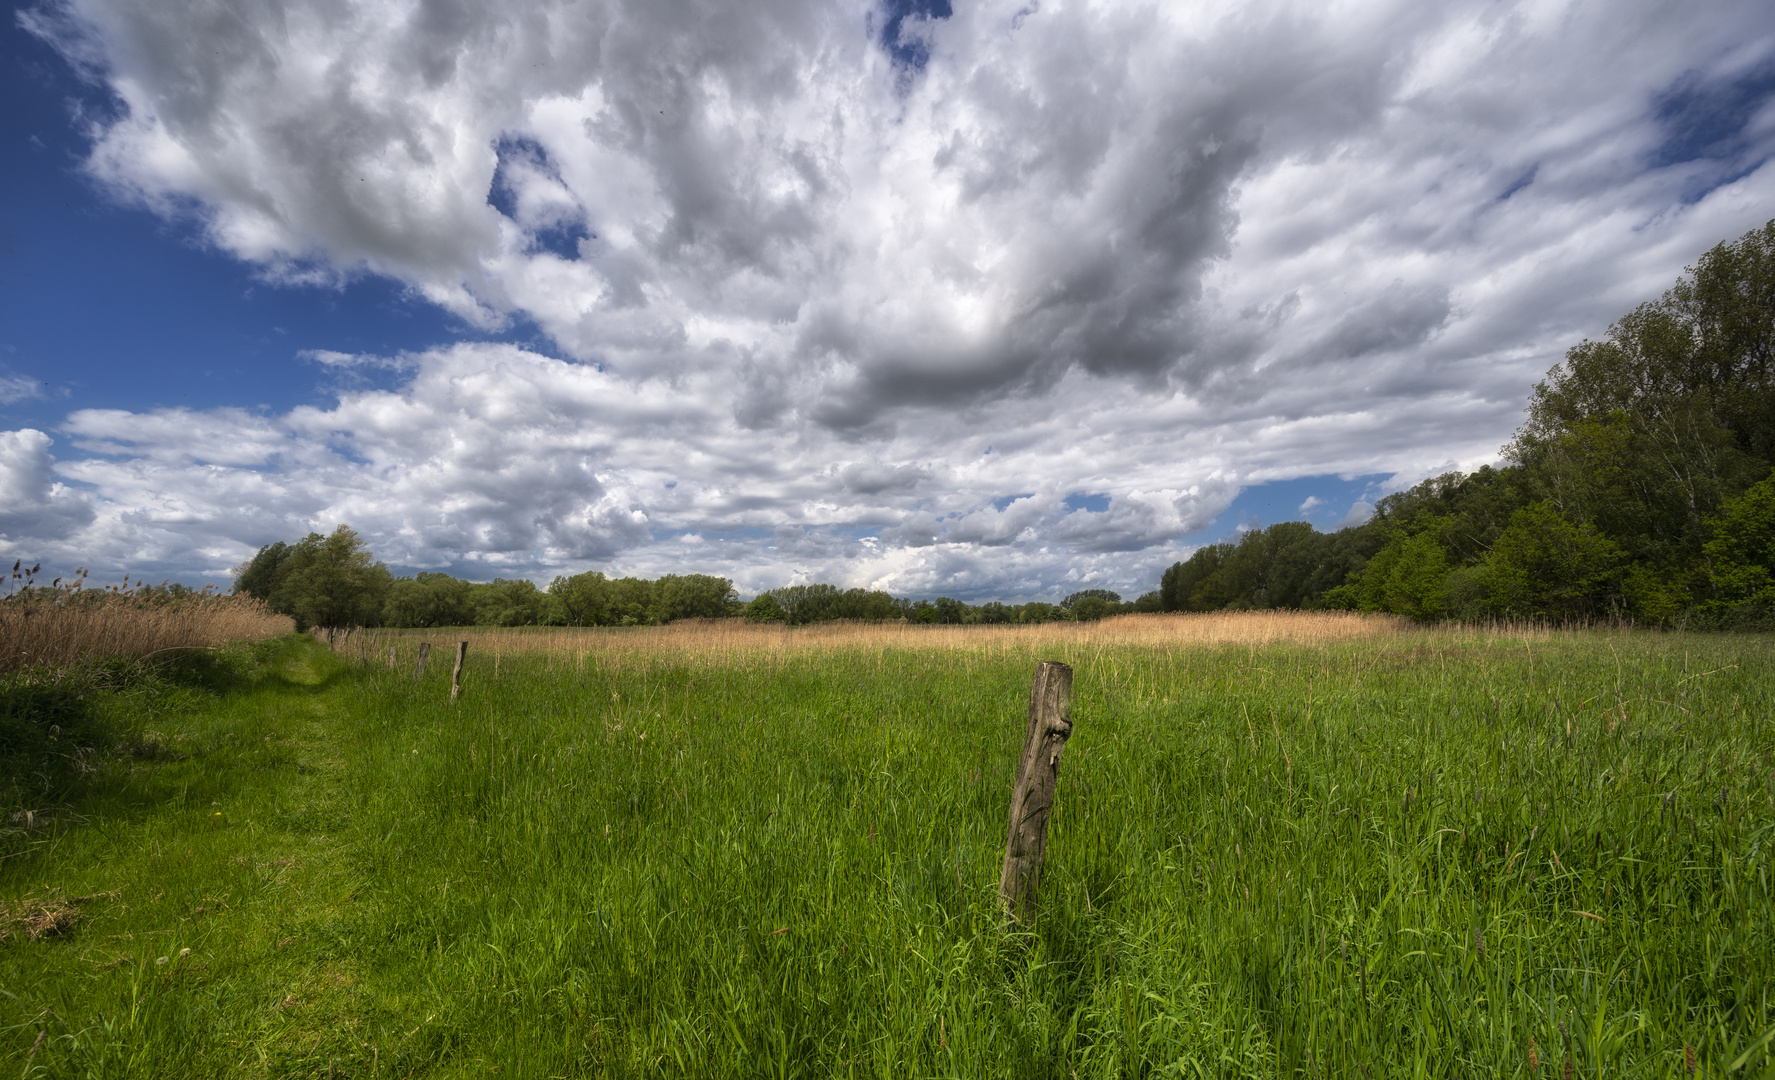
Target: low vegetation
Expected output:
[1336,846]
[80,667]
[729,641]
[66,623]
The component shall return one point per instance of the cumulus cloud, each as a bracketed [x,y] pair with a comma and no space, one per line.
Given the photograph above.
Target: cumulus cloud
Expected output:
[32,503]
[874,477]
[492,460]
[804,275]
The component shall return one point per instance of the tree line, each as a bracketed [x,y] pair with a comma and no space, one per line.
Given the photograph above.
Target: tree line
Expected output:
[796,605]
[1639,486]
[335,581]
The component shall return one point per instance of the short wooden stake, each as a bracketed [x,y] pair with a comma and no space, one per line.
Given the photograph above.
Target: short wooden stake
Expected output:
[456,676]
[391,649]
[1050,724]
[419,668]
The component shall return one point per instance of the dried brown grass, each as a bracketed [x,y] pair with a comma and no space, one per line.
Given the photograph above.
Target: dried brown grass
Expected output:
[723,641]
[59,628]
[38,919]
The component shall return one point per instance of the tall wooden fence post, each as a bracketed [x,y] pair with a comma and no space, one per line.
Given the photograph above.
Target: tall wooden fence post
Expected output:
[419,668]
[456,676]
[391,654]
[1050,724]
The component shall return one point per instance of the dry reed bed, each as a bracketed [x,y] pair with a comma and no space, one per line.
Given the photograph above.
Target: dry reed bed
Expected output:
[60,631]
[722,642]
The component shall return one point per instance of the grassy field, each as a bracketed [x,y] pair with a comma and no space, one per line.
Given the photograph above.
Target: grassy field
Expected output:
[1346,849]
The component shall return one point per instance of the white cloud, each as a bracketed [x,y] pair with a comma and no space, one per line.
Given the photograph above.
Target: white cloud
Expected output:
[493,460]
[17,388]
[343,361]
[1154,251]
[1360,511]
[32,503]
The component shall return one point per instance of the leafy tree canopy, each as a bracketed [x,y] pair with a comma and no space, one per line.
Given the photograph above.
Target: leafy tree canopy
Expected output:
[328,581]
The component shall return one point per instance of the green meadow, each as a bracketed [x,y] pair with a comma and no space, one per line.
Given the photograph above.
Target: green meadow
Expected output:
[1437,853]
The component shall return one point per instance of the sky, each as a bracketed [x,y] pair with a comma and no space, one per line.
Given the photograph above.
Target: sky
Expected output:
[987,300]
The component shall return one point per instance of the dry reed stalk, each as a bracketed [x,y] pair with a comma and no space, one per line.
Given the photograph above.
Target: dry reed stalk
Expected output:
[38,919]
[720,642]
[66,627]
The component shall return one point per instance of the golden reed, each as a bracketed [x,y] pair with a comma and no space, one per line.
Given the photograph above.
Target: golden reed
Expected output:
[55,628]
[721,642]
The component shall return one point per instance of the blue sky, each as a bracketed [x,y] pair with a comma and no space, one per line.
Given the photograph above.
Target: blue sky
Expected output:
[992,300]
[116,307]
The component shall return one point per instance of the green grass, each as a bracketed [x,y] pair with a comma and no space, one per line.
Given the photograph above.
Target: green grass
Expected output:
[1271,862]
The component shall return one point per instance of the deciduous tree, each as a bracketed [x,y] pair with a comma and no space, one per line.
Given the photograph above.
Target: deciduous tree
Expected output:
[330,581]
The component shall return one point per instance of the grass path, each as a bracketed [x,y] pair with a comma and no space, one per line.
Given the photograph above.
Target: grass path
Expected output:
[212,879]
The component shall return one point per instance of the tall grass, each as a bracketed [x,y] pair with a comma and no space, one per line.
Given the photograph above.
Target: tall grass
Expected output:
[1412,853]
[724,642]
[58,627]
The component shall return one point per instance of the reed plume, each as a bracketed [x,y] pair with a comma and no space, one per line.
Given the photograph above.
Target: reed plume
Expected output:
[66,622]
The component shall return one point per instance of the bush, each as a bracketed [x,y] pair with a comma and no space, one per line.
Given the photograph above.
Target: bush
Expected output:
[764,608]
[1092,608]
[1466,594]
[1545,564]
[58,725]
[1741,554]
[1406,577]
[427,599]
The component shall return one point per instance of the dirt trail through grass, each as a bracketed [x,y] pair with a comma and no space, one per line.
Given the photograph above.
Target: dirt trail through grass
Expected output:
[205,886]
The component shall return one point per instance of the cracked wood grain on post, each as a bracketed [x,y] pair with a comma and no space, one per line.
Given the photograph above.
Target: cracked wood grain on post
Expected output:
[1038,772]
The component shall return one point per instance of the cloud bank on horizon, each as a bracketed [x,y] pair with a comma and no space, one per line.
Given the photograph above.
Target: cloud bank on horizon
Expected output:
[1002,300]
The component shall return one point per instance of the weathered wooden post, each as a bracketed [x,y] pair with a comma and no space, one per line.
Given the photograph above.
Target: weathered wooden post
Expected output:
[456,676]
[419,668]
[1050,724]
[391,649]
